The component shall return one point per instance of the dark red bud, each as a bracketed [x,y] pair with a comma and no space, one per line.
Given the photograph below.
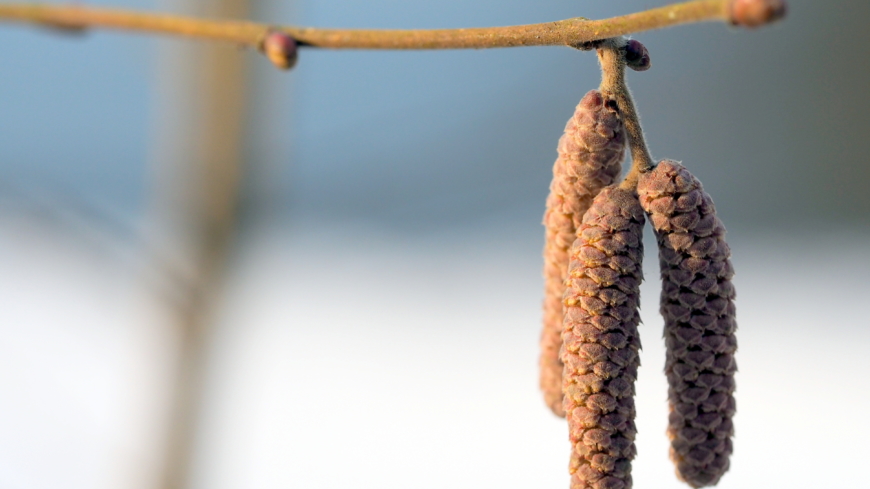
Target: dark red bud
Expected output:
[637,56]
[753,13]
[281,49]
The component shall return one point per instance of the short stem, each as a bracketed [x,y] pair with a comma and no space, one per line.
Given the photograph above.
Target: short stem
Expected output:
[570,32]
[613,86]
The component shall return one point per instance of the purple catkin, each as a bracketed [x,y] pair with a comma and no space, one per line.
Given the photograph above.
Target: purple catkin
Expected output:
[590,158]
[698,307]
[600,340]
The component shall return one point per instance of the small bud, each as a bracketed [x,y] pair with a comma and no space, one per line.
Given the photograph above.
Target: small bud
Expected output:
[754,13]
[636,56]
[281,49]
[590,158]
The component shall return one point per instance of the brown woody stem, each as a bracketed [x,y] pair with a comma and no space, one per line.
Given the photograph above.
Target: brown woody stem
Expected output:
[613,86]
[568,32]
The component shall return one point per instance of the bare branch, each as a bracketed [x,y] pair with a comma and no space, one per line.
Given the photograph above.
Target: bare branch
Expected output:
[568,32]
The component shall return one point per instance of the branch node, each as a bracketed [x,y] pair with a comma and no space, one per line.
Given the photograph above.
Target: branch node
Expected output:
[587,45]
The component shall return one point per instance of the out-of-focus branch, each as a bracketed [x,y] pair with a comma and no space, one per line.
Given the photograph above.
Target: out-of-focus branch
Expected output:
[568,32]
[199,167]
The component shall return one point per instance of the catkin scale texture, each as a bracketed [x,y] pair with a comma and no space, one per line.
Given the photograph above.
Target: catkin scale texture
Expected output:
[601,342]
[697,303]
[590,158]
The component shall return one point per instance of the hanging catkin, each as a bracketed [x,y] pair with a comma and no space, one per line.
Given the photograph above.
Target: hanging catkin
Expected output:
[698,307]
[601,342]
[590,157]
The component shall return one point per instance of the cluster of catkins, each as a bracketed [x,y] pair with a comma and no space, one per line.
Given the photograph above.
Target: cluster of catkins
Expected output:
[593,270]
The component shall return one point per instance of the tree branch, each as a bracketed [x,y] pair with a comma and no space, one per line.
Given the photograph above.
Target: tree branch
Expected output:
[568,32]
[611,55]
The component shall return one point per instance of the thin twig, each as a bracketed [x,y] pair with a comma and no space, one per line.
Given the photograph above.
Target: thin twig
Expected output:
[613,86]
[569,32]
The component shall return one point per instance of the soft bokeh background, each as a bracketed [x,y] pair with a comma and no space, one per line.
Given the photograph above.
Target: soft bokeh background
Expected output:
[377,322]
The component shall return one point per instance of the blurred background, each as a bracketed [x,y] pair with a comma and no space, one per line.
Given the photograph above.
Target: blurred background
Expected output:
[219,275]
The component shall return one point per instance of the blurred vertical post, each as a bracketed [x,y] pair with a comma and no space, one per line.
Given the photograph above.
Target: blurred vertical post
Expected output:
[198,165]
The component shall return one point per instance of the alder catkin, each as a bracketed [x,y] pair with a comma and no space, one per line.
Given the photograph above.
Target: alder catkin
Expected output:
[590,158]
[698,307]
[601,342]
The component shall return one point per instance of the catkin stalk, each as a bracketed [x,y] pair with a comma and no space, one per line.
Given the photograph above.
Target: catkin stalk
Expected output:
[590,158]
[698,307]
[601,341]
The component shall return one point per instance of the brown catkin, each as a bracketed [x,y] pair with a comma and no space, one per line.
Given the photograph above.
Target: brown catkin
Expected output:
[698,307]
[590,158]
[601,342]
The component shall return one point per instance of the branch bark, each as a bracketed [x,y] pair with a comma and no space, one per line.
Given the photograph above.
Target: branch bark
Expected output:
[568,32]
[613,85]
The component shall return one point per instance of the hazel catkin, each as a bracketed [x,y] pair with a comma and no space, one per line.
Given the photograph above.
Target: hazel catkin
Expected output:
[590,158]
[697,303]
[601,342]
